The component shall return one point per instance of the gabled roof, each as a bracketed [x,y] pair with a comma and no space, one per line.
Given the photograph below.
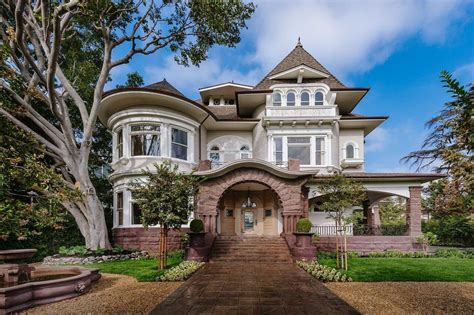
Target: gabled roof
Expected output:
[164,86]
[298,57]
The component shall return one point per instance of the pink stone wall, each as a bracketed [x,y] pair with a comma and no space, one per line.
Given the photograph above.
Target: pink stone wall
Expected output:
[414,211]
[370,243]
[146,239]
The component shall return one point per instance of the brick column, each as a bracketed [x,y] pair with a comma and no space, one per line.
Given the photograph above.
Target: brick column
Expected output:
[204,165]
[413,214]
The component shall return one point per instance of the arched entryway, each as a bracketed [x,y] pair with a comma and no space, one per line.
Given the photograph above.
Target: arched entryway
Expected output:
[289,194]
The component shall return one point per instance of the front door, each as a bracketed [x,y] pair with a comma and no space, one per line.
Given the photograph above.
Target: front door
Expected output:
[249,221]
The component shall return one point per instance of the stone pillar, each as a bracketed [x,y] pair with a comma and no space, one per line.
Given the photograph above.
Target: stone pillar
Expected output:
[373,220]
[289,223]
[204,165]
[294,165]
[413,215]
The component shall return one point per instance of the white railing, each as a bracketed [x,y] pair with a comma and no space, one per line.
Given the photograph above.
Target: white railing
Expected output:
[220,157]
[329,230]
[301,111]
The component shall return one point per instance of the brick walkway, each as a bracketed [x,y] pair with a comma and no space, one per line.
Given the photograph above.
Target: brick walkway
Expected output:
[252,288]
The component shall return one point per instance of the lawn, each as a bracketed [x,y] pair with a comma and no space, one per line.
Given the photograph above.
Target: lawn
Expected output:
[408,269]
[142,269]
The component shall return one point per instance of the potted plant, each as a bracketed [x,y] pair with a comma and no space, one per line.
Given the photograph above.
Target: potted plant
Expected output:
[303,233]
[197,234]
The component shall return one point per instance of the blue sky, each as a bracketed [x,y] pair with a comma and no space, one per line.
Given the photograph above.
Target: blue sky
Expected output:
[397,48]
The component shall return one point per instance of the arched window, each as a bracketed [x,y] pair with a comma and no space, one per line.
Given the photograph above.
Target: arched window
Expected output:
[290,99]
[214,154]
[276,99]
[319,98]
[304,99]
[244,152]
[350,154]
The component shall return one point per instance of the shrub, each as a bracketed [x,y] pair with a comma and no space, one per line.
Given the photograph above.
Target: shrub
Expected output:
[185,240]
[452,230]
[73,251]
[426,240]
[454,253]
[82,251]
[181,272]
[196,226]
[323,273]
[303,225]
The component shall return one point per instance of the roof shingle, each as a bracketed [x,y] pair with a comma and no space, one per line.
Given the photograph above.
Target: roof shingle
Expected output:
[164,86]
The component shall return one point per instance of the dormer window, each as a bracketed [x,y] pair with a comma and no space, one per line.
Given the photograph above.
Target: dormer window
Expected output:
[276,99]
[350,151]
[304,99]
[319,98]
[290,99]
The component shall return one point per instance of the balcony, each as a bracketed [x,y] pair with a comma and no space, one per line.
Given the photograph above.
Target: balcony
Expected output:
[221,157]
[301,111]
[352,162]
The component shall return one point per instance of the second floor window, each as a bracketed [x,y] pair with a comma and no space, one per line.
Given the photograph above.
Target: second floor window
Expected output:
[299,148]
[290,99]
[349,151]
[214,154]
[278,153]
[119,145]
[304,99]
[320,151]
[276,99]
[145,140]
[319,98]
[179,144]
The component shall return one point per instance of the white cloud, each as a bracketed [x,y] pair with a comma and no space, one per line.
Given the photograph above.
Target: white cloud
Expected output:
[348,36]
[377,140]
[465,73]
[190,79]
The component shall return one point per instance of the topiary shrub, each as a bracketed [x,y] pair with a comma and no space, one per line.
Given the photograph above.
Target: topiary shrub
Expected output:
[303,225]
[196,226]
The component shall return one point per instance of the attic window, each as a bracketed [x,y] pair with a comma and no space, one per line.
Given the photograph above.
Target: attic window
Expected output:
[217,101]
[276,99]
[290,99]
[304,99]
[319,98]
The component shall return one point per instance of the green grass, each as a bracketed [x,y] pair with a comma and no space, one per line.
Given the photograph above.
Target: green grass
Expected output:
[408,269]
[142,270]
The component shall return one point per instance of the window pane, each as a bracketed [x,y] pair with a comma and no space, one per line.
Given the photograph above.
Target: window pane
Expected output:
[135,128]
[350,151]
[278,156]
[276,99]
[214,156]
[290,99]
[319,158]
[179,151]
[120,143]
[301,153]
[120,208]
[146,144]
[299,140]
[278,144]
[304,99]
[320,151]
[319,144]
[319,98]
[136,214]
[179,136]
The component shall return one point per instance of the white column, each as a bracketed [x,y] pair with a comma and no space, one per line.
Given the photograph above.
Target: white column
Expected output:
[165,141]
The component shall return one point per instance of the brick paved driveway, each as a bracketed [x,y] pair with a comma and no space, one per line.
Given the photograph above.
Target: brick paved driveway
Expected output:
[252,288]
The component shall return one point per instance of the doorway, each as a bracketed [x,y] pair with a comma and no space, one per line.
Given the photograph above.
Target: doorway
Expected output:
[249,222]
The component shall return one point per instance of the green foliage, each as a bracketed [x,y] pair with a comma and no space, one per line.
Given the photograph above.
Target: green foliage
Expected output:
[303,225]
[408,269]
[181,272]
[427,239]
[397,254]
[454,253]
[185,240]
[165,196]
[134,79]
[323,273]
[452,230]
[450,146]
[141,269]
[392,213]
[196,226]
[320,255]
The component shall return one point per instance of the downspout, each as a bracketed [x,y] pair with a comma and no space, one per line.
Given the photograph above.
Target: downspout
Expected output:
[200,125]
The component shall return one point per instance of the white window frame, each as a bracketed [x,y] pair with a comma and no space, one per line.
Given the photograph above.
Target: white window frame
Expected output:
[281,99]
[356,150]
[116,212]
[188,145]
[286,98]
[284,137]
[300,145]
[309,98]
[133,133]
[324,97]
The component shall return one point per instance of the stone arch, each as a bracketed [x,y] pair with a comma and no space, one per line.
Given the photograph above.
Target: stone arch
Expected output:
[291,194]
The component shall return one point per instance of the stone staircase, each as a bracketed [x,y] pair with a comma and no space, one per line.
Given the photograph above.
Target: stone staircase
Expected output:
[250,249]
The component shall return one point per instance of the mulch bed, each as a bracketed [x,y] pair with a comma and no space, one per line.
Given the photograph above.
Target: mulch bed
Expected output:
[407,297]
[113,294]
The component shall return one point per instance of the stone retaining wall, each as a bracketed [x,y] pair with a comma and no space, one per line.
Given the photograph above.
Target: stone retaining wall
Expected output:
[370,243]
[146,239]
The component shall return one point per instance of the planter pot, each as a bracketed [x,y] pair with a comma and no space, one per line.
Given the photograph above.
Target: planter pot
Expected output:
[197,240]
[303,239]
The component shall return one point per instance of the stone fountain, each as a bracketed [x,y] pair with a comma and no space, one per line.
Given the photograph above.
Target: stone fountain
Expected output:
[23,285]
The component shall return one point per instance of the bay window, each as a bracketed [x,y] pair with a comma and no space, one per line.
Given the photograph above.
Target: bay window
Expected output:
[119,207]
[145,140]
[119,143]
[179,144]
[299,148]
[136,213]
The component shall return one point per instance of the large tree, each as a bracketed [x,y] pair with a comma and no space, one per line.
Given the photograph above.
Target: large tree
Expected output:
[449,148]
[39,78]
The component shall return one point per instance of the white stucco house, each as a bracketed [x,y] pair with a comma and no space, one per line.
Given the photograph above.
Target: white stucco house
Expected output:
[262,148]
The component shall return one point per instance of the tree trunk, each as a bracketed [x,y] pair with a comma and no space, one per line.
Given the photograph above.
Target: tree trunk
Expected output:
[163,246]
